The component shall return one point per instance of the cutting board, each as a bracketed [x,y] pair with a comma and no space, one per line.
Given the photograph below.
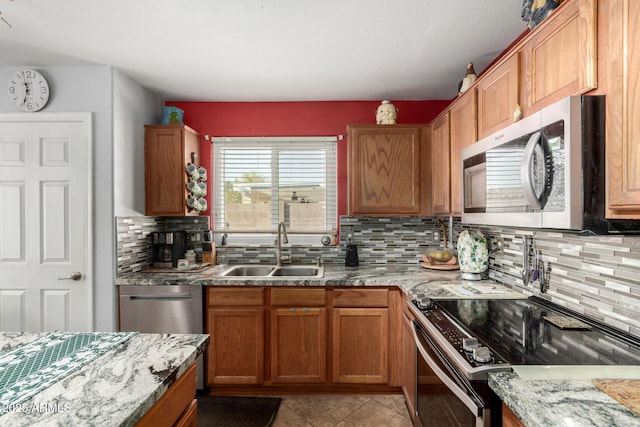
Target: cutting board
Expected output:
[626,392]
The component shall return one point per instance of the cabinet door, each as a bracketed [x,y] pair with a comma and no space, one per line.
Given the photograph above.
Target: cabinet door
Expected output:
[498,96]
[623,109]
[440,166]
[298,345]
[463,133]
[560,59]
[408,365]
[361,345]
[509,419]
[236,355]
[384,169]
[167,151]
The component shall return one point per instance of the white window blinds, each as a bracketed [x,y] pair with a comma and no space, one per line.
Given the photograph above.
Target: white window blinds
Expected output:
[262,181]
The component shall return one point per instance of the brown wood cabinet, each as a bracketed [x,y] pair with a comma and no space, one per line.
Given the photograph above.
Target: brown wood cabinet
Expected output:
[385,170]
[298,335]
[235,321]
[408,361]
[312,338]
[167,151]
[560,58]
[623,108]
[178,406]
[440,165]
[509,419]
[361,336]
[463,132]
[498,96]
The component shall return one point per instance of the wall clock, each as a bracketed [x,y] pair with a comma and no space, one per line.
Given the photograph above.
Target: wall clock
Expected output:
[28,90]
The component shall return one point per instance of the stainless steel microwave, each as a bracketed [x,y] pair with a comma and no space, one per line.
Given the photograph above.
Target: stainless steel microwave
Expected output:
[545,171]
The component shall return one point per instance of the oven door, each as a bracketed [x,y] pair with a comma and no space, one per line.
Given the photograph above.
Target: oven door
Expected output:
[454,402]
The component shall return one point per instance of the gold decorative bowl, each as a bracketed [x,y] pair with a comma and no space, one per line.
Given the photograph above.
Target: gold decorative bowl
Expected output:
[440,255]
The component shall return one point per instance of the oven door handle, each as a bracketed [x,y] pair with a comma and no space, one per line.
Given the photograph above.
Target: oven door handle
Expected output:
[455,388]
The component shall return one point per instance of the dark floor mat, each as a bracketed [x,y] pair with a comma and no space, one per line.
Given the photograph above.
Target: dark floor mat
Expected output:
[232,411]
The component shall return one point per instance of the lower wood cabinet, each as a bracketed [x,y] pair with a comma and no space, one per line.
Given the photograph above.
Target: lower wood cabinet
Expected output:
[298,336]
[235,321]
[298,345]
[178,406]
[509,419]
[302,336]
[408,363]
[361,345]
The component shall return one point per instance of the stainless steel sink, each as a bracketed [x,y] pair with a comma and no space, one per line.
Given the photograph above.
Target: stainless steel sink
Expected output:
[297,270]
[249,270]
[273,271]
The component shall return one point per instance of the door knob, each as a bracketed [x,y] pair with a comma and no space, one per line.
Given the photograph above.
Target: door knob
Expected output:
[76,275]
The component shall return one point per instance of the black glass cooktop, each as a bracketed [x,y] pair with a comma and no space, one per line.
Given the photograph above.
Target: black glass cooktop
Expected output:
[535,332]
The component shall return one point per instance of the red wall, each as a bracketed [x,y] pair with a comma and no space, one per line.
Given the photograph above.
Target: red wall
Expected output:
[323,118]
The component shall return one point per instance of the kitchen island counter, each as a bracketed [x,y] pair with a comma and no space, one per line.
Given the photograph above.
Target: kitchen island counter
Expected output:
[544,403]
[114,389]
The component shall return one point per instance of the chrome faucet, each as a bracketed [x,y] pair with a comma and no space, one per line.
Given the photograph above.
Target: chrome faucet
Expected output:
[282,232]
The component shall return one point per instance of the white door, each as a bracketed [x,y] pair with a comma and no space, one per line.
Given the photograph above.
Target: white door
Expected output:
[45,222]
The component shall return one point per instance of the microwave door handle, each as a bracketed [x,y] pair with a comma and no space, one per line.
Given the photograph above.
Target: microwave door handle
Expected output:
[525,171]
[451,385]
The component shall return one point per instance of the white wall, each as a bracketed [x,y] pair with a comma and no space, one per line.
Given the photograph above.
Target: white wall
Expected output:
[95,89]
[133,107]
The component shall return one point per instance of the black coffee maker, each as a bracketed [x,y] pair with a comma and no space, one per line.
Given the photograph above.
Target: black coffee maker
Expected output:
[168,248]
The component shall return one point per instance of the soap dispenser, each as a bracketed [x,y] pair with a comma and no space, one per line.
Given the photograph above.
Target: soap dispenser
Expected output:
[351,256]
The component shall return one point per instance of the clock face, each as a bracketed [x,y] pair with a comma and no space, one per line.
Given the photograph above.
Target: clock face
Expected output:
[28,90]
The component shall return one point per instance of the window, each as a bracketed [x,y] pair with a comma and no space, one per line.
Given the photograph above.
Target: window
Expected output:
[260,182]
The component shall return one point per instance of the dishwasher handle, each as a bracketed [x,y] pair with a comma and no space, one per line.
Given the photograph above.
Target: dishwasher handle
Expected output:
[168,297]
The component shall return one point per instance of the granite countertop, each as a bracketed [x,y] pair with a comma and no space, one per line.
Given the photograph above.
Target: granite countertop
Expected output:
[115,389]
[409,278]
[557,403]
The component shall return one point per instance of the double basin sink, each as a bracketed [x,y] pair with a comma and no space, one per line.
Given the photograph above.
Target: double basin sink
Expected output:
[274,271]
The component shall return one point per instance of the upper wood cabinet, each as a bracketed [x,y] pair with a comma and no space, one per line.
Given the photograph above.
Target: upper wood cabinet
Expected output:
[384,167]
[560,58]
[463,132]
[167,151]
[440,165]
[623,108]
[498,96]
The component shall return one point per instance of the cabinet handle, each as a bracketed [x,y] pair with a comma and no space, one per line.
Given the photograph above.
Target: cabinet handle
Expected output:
[292,310]
[194,158]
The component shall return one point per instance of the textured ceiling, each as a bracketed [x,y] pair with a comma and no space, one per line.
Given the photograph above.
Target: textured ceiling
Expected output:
[270,50]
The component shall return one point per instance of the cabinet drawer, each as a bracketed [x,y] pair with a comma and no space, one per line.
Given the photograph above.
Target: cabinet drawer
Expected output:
[361,298]
[296,297]
[235,296]
[169,408]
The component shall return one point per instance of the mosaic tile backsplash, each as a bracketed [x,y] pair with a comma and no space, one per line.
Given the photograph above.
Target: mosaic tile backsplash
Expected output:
[598,276]
[134,246]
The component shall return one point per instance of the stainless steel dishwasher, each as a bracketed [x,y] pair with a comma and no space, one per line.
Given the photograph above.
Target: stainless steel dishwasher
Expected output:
[164,309]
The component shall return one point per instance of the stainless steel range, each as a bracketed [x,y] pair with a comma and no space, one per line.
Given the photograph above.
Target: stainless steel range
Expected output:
[461,341]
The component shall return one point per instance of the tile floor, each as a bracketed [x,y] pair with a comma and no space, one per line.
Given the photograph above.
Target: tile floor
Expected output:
[349,410]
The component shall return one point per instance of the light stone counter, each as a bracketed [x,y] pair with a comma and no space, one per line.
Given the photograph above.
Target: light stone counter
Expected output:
[115,389]
[408,277]
[560,403]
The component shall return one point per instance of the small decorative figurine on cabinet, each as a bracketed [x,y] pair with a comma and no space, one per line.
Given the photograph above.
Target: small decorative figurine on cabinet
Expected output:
[468,79]
[386,114]
[534,11]
[517,113]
